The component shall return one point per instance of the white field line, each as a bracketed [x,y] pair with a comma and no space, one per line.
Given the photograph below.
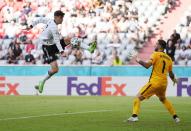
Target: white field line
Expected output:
[84,112]
[55,114]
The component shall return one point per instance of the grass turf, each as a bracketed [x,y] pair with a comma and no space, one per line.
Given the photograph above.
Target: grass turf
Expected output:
[153,115]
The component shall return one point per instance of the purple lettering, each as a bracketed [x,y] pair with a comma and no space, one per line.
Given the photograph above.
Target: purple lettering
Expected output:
[95,86]
[182,85]
[83,88]
[70,85]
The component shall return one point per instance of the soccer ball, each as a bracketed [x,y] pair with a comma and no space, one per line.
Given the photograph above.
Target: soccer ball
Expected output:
[75,42]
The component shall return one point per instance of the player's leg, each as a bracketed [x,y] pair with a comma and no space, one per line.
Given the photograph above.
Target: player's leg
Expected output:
[76,43]
[54,69]
[170,108]
[50,58]
[136,108]
[168,105]
[145,92]
[137,104]
[91,47]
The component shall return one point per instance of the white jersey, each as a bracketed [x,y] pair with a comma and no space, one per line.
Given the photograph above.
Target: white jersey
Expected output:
[50,33]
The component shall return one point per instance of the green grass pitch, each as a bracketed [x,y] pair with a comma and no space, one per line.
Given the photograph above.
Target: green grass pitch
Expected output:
[89,113]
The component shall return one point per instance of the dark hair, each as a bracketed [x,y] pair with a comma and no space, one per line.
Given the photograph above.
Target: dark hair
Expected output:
[59,13]
[162,43]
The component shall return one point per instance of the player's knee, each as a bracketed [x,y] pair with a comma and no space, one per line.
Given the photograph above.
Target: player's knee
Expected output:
[162,99]
[140,97]
[55,70]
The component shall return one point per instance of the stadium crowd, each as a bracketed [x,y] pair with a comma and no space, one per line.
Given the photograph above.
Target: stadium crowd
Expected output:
[182,55]
[120,27]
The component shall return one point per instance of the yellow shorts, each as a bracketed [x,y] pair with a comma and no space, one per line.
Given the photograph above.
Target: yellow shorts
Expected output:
[153,88]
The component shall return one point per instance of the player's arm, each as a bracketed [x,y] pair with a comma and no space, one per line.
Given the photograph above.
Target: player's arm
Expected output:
[171,74]
[65,42]
[172,77]
[150,62]
[56,37]
[39,20]
[145,64]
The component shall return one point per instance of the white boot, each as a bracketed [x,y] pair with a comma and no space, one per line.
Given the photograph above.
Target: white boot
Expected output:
[177,120]
[132,119]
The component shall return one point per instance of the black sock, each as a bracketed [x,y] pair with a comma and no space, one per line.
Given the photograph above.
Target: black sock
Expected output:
[134,115]
[175,116]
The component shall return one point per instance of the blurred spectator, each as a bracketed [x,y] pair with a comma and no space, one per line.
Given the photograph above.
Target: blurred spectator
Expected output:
[42,10]
[26,8]
[80,33]
[75,57]
[78,54]
[175,38]
[14,53]
[165,4]
[189,45]
[181,60]
[169,4]
[97,57]
[7,12]
[188,55]
[170,49]
[22,36]
[29,46]
[11,30]
[120,23]
[172,3]
[117,61]
[188,20]
[29,58]
[2,53]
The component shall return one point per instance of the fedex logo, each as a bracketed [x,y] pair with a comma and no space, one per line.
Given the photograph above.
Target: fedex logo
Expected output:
[183,85]
[12,88]
[103,87]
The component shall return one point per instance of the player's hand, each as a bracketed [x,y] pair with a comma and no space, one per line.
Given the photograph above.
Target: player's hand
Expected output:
[69,46]
[175,81]
[67,40]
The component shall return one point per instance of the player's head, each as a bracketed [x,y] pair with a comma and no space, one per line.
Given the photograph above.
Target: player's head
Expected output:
[160,45]
[58,16]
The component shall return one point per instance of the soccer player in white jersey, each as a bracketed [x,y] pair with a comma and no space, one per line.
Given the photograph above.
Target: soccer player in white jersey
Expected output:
[53,45]
[50,40]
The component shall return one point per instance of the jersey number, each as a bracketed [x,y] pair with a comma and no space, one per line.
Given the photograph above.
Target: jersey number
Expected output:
[163,67]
